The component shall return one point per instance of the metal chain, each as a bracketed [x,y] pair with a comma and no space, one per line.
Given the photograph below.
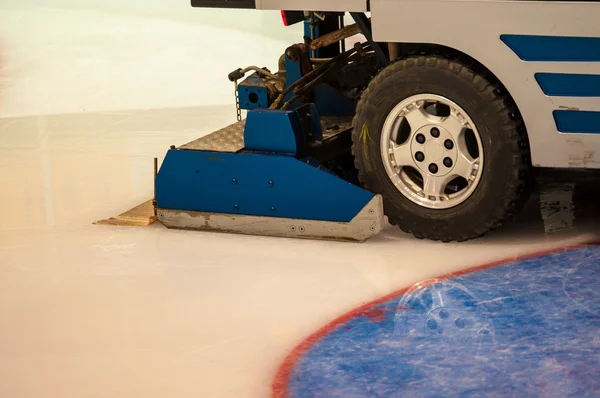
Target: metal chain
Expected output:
[237,102]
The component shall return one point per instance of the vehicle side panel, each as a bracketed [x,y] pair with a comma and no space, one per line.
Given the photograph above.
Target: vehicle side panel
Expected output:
[553,80]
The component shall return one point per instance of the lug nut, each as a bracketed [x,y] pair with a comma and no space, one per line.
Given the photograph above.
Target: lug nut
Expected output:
[449,144]
[420,138]
[433,168]
[435,133]
[447,162]
[419,156]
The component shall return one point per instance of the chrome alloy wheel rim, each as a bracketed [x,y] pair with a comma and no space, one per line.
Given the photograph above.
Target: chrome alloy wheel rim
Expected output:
[432,151]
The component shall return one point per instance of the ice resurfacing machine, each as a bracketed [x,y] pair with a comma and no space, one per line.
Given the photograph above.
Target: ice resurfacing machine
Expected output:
[436,119]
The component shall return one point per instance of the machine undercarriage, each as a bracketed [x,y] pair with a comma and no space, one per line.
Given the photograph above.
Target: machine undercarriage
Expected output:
[336,134]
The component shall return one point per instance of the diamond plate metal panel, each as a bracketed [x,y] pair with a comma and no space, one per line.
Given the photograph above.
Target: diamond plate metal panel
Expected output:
[228,139]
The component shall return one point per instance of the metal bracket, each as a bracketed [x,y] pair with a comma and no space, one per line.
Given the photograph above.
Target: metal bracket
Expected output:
[365,27]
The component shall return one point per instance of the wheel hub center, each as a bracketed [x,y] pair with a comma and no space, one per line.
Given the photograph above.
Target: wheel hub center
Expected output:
[434,150]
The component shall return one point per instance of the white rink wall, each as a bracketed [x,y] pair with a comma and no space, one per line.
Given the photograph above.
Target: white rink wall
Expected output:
[75,56]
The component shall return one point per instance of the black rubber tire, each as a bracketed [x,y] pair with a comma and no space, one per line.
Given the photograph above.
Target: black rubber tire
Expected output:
[505,182]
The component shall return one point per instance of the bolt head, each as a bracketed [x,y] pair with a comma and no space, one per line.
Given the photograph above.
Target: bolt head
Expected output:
[449,144]
[420,138]
[435,132]
[420,156]
[433,168]
[447,162]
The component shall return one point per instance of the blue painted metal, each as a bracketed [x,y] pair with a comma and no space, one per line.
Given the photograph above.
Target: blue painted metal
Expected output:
[330,102]
[569,85]
[271,130]
[239,183]
[554,48]
[317,33]
[528,328]
[583,122]
[308,33]
[293,71]
[282,131]
[253,93]
[316,129]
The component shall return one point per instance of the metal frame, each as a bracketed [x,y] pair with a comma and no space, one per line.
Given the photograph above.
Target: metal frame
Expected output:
[365,27]
[367,223]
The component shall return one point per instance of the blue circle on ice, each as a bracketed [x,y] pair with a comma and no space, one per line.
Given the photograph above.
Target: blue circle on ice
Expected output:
[524,328]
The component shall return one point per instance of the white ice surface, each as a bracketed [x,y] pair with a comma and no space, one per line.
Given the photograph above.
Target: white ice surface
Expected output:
[101,311]
[91,311]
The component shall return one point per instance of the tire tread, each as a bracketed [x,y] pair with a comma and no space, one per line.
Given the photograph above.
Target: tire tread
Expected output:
[518,189]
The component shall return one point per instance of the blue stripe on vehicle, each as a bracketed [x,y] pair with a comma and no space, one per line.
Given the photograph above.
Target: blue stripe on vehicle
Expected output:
[569,85]
[583,122]
[554,48]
